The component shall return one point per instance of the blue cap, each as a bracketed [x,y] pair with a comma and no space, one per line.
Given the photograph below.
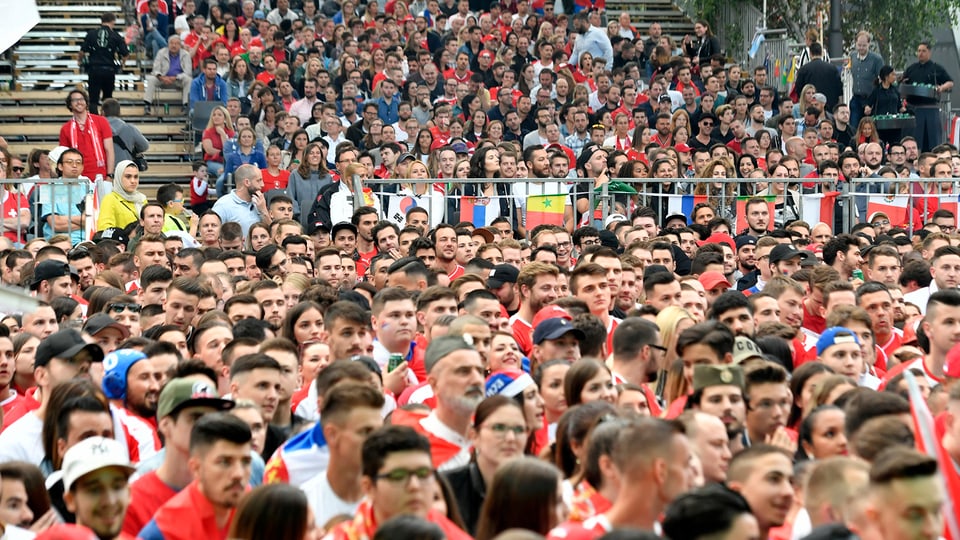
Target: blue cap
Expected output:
[258,14]
[555,328]
[115,368]
[835,335]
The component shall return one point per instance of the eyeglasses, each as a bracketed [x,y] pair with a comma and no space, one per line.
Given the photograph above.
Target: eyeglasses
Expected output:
[177,200]
[660,348]
[881,223]
[402,476]
[77,162]
[590,242]
[18,169]
[501,430]
[119,307]
[767,404]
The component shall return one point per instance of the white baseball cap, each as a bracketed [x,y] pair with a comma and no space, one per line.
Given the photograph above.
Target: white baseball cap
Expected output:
[93,454]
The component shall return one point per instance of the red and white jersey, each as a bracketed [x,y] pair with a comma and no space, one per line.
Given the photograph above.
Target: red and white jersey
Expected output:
[142,432]
[594,527]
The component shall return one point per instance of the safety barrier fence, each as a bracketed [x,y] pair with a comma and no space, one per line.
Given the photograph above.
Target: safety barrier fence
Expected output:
[907,202]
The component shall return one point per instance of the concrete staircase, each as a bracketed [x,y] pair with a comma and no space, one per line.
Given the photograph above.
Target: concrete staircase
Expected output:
[45,64]
[643,13]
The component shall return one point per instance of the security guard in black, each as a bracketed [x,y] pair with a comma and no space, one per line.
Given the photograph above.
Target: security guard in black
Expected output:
[103,52]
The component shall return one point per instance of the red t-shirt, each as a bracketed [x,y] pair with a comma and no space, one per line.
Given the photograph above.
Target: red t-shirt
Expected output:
[523,335]
[12,204]
[147,495]
[278,181]
[84,142]
[813,322]
[214,138]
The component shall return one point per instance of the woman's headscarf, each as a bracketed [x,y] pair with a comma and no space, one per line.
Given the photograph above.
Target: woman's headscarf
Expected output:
[138,199]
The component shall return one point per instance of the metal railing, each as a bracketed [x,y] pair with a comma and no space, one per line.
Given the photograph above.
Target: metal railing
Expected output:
[839,204]
[45,197]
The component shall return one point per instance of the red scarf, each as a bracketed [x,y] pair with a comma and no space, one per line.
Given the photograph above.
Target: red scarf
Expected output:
[94,134]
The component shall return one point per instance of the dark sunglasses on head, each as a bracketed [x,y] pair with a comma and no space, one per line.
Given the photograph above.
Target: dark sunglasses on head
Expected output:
[119,307]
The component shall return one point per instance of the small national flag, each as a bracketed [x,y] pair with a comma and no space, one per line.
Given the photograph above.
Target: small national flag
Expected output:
[479,210]
[683,204]
[544,210]
[894,206]
[819,207]
[742,212]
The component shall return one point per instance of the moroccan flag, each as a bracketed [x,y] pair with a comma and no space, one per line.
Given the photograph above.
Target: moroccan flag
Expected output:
[928,443]
[819,207]
[479,210]
[742,212]
[544,210]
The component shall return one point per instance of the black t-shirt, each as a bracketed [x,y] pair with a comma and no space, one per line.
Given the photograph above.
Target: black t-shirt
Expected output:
[927,73]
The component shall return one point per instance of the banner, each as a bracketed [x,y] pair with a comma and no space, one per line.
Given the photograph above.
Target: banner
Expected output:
[819,207]
[742,212]
[481,211]
[544,210]
[400,203]
[683,204]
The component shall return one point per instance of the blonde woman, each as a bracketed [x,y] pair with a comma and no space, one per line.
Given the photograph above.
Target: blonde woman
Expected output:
[421,194]
[672,321]
[218,131]
[293,287]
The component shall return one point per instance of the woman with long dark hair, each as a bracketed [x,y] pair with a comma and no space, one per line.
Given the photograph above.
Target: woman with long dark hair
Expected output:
[525,495]
[307,181]
[273,511]
[704,47]
[485,164]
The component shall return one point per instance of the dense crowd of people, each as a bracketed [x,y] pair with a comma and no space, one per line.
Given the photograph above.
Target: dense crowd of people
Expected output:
[510,270]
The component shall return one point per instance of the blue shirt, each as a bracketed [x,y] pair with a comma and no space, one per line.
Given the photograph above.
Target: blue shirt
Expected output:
[231,207]
[388,112]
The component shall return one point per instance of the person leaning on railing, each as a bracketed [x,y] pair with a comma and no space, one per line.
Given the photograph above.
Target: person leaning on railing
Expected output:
[16,207]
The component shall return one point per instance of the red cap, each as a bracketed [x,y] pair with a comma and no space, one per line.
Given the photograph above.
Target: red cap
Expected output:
[711,279]
[486,53]
[550,312]
[816,248]
[682,147]
[488,37]
[718,238]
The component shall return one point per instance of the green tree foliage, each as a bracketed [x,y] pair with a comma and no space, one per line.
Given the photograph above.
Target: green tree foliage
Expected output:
[897,25]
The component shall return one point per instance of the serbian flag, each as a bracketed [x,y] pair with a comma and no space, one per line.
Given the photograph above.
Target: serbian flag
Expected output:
[480,211]
[742,212]
[683,204]
[818,207]
[894,206]
[544,210]
[928,443]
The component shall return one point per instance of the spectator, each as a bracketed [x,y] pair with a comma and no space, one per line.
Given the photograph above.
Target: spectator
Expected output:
[171,68]
[121,207]
[131,142]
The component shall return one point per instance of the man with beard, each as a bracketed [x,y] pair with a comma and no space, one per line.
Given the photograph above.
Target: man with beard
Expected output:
[364,219]
[455,373]
[842,252]
[130,381]
[637,352]
[746,256]
[445,239]
[538,164]
[220,462]
[591,40]
[83,263]
[758,217]
[733,310]
[96,472]
[537,285]
[245,204]
[718,391]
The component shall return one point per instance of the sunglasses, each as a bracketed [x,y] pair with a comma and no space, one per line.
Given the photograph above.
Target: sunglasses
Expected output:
[119,307]
[17,169]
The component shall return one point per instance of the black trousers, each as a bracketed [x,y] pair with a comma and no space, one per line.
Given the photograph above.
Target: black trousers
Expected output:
[101,80]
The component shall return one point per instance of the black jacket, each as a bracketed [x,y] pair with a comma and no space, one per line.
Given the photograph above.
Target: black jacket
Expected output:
[104,48]
[825,77]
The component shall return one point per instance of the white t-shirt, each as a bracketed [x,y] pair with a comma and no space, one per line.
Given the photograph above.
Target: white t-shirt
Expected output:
[22,440]
[325,503]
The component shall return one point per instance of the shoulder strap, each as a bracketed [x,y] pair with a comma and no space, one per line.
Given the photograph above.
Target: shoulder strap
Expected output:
[123,145]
